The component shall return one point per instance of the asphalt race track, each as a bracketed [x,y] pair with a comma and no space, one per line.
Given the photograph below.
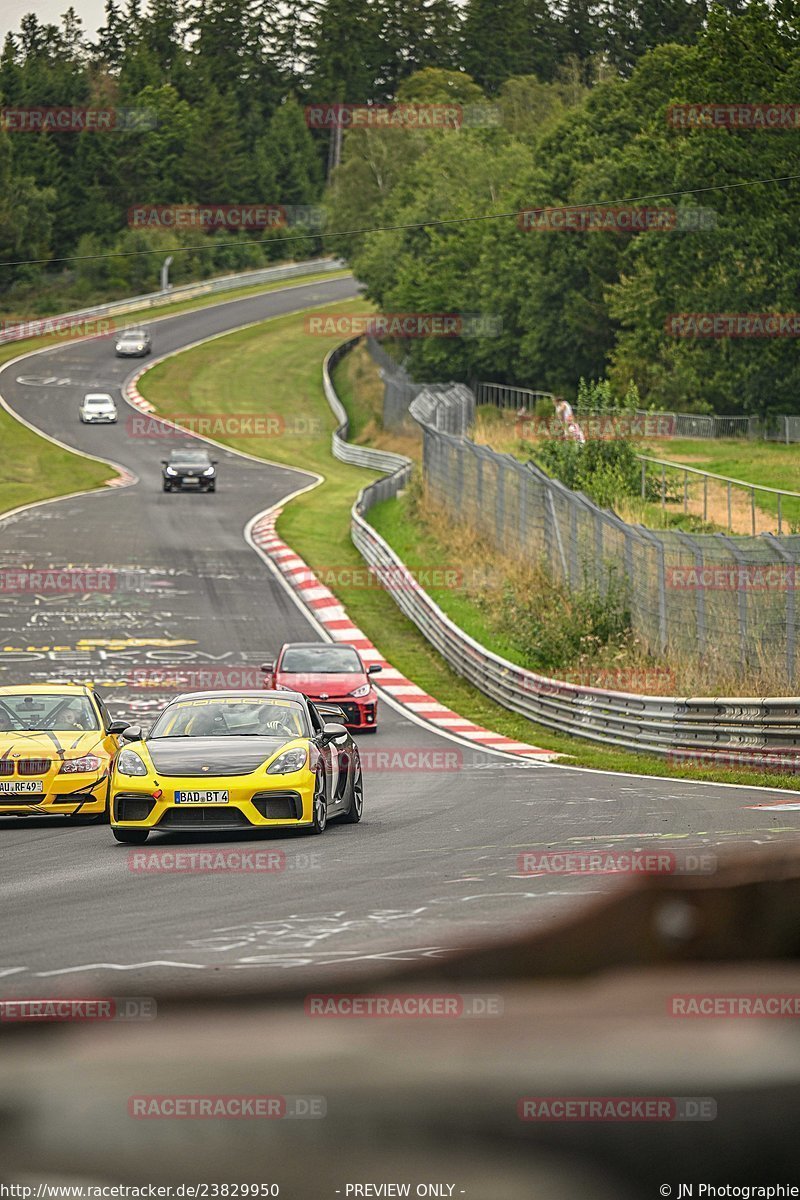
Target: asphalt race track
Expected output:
[434,862]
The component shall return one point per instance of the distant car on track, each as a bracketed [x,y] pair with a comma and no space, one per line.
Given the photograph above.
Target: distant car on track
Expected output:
[133,343]
[323,672]
[98,408]
[57,743]
[189,468]
[235,760]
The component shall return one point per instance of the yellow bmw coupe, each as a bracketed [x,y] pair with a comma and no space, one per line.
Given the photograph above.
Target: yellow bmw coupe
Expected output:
[57,742]
[236,760]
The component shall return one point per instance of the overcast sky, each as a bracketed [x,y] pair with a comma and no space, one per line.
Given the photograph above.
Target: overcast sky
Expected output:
[49,12]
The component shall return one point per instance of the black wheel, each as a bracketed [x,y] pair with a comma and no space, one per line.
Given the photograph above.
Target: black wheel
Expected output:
[167,487]
[131,837]
[353,814]
[319,805]
[212,487]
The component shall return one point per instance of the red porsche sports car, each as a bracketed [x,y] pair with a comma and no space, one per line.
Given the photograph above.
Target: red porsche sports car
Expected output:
[325,672]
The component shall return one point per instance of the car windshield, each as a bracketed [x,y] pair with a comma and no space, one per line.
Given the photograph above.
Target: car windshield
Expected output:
[320,660]
[195,458]
[231,717]
[137,335]
[101,402]
[22,713]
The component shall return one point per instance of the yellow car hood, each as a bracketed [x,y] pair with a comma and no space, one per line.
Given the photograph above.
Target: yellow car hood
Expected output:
[68,743]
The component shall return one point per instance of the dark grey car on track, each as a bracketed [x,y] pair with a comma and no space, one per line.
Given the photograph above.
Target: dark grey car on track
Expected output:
[189,469]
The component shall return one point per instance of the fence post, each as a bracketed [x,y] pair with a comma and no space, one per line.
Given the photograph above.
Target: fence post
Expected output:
[730,526]
[699,562]
[741,596]
[790,603]
[661,586]
[644,479]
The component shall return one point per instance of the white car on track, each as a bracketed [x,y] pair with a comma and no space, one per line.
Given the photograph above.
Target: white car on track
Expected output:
[98,408]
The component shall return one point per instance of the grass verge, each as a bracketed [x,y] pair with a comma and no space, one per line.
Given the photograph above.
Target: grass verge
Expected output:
[231,374]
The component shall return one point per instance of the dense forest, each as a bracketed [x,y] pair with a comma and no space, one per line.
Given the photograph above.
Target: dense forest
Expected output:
[575,97]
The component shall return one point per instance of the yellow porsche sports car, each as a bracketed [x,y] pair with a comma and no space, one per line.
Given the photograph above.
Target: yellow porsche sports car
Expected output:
[57,742]
[236,760]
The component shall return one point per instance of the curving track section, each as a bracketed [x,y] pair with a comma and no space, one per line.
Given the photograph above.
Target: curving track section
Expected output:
[433,864]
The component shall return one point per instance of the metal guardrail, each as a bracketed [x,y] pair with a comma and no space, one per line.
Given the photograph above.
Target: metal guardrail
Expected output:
[357,456]
[187,291]
[753,731]
[752,488]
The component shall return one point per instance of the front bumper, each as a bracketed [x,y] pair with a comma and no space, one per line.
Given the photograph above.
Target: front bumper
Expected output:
[358,714]
[194,483]
[75,797]
[131,353]
[89,420]
[261,802]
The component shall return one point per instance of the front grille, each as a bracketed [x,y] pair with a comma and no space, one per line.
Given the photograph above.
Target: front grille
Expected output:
[279,806]
[33,766]
[6,766]
[133,808]
[22,797]
[199,815]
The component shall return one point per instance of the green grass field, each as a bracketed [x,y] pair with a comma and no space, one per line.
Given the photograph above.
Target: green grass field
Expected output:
[277,359]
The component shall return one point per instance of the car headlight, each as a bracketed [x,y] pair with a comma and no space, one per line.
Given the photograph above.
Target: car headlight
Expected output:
[89,762]
[171,471]
[129,763]
[361,691]
[289,761]
[208,471]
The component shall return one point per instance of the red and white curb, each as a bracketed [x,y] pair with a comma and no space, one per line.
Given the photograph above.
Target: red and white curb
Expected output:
[330,613]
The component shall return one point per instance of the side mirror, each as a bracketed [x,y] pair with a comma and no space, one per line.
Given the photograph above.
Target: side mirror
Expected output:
[132,733]
[165,462]
[373,670]
[214,461]
[267,667]
[332,731]
[118,726]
